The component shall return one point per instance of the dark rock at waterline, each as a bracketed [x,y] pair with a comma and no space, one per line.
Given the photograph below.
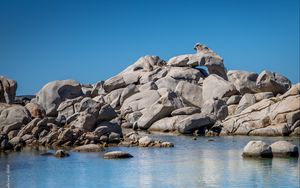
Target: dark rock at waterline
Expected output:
[61,153]
[117,155]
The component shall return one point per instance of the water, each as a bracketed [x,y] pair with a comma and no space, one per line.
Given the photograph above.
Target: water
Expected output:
[191,163]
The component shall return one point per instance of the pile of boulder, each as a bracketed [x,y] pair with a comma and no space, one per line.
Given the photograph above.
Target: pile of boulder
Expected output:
[188,94]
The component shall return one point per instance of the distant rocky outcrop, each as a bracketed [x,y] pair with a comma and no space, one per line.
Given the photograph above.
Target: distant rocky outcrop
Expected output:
[177,95]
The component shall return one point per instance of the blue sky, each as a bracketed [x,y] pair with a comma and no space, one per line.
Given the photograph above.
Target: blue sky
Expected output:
[89,41]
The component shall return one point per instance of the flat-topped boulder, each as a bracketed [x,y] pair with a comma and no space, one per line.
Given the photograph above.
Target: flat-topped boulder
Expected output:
[88,148]
[117,155]
[284,149]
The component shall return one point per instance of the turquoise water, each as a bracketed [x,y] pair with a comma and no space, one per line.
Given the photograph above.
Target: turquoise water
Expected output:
[191,163]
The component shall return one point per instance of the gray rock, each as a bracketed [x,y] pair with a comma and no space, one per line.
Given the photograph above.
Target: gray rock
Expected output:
[114,83]
[66,136]
[133,117]
[88,148]
[244,82]
[106,113]
[148,86]
[263,95]
[273,82]
[112,127]
[194,122]
[14,126]
[167,124]
[234,99]
[167,82]
[67,107]
[284,149]
[190,93]
[127,92]
[86,120]
[216,87]
[139,101]
[53,93]
[184,73]
[154,75]
[14,114]
[145,141]
[183,61]
[246,101]
[17,141]
[145,63]
[114,137]
[160,109]
[257,149]
[117,155]
[102,130]
[186,111]
[113,98]
[87,103]
[217,107]
[8,89]
[28,128]
[268,117]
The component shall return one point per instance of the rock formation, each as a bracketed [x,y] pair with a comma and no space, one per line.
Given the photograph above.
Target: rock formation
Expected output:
[152,94]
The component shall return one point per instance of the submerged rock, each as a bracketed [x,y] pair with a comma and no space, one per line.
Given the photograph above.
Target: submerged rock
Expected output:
[61,154]
[117,155]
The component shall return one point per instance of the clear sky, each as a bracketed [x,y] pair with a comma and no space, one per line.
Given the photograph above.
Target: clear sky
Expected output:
[89,41]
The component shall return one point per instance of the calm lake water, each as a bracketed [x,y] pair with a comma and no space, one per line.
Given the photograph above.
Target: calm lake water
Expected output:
[191,163]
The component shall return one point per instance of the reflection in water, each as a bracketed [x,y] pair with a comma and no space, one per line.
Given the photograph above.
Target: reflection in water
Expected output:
[189,164]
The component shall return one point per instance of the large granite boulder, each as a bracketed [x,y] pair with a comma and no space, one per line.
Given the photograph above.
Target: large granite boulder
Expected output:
[13,117]
[8,89]
[195,122]
[67,107]
[167,124]
[273,82]
[244,81]
[246,101]
[257,149]
[160,109]
[217,107]
[139,101]
[284,149]
[216,87]
[185,73]
[183,61]
[53,93]
[191,94]
[167,82]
